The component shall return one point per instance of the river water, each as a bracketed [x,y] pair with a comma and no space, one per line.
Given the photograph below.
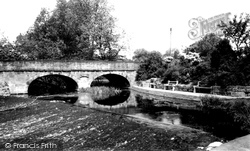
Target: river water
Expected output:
[140,106]
[132,104]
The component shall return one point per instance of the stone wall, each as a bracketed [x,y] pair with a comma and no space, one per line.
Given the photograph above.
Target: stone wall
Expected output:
[18,82]
[18,75]
[4,89]
[68,66]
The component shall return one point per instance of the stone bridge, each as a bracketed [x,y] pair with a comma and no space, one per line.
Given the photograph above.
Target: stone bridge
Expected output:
[18,75]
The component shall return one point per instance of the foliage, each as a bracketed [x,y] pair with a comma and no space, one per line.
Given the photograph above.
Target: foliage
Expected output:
[7,51]
[205,46]
[140,55]
[235,111]
[76,29]
[144,103]
[151,66]
[224,61]
[238,33]
[211,60]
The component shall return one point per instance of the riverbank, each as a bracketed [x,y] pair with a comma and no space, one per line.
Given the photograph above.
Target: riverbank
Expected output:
[239,144]
[80,128]
[180,99]
[238,105]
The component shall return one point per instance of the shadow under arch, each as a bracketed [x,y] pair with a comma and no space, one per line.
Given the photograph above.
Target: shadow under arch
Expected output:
[52,84]
[111,80]
[115,100]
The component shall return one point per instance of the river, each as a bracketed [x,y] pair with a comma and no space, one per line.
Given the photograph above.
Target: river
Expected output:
[136,105]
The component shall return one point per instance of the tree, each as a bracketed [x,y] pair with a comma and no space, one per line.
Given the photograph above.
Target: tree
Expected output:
[76,29]
[7,51]
[140,55]
[151,64]
[238,33]
[205,46]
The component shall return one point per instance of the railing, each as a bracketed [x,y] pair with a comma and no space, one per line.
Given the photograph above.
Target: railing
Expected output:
[171,84]
[174,85]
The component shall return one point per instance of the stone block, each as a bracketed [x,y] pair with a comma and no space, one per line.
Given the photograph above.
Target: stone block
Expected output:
[4,89]
[238,94]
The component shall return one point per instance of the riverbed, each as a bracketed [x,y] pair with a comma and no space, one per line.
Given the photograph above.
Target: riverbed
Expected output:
[128,125]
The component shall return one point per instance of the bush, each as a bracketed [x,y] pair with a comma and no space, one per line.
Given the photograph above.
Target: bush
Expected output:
[184,88]
[144,103]
[232,112]
[241,113]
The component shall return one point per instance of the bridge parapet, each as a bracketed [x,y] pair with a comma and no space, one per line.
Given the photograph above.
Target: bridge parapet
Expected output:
[68,66]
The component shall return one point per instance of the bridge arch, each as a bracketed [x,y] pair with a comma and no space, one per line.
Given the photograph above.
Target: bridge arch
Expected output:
[111,79]
[52,84]
[20,74]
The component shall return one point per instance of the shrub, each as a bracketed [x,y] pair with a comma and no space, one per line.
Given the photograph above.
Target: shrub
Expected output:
[233,112]
[241,113]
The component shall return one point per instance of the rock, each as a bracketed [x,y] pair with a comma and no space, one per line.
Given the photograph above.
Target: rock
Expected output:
[4,89]
[213,145]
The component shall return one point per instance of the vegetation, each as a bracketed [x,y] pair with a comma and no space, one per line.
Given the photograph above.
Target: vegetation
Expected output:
[150,63]
[212,60]
[225,113]
[101,92]
[76,29]
[144,103]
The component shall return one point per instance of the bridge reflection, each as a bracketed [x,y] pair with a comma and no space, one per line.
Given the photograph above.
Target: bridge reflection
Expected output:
[111,80]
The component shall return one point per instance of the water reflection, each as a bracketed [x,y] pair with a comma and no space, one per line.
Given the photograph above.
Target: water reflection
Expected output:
[127,103]
[115,100]
[161,116]
[142,107]
[132,104]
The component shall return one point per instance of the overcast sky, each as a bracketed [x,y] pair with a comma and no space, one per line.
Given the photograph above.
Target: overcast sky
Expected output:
[147,23]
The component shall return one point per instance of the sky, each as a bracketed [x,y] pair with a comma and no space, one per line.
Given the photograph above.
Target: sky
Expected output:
[146,23]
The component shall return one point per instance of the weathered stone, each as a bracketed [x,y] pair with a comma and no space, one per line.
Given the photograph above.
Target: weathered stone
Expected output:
[238,94]
[4,89]
[19,75]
